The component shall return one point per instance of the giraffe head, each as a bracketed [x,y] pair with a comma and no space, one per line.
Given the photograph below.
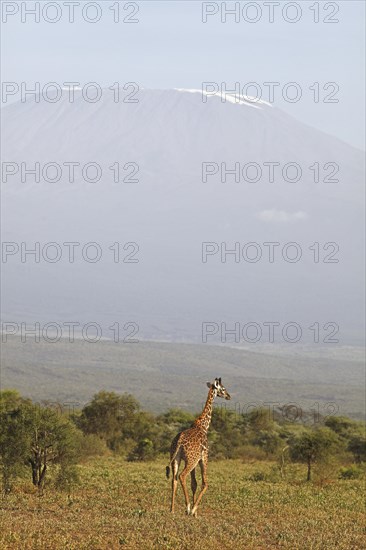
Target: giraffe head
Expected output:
[219,389]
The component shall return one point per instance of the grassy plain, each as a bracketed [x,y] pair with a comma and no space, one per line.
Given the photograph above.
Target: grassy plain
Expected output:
[157,374]
[247,506]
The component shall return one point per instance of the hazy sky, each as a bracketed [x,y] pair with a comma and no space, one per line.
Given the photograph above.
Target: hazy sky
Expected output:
[170,47]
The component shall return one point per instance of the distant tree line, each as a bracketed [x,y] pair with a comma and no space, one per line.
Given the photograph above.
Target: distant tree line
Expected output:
[36,439]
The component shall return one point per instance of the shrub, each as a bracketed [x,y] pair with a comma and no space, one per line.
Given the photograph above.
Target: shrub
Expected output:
[258,476]
[144,450]
[67,478]
[352,472]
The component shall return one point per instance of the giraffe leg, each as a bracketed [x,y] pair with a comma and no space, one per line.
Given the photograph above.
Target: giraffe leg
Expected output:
[183,478]
[203,466]
[194,484]
[175,467]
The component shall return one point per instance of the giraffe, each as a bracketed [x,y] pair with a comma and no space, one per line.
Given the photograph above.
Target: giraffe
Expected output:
[191,446]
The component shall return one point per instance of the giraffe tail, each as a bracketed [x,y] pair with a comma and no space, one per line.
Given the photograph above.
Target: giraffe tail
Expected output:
[172,458]
[167,469]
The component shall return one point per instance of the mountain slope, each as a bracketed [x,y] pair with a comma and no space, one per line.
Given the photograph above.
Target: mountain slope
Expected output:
[171,211]
[163,375]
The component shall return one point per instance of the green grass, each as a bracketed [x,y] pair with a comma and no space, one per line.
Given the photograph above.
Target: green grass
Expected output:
[126,505]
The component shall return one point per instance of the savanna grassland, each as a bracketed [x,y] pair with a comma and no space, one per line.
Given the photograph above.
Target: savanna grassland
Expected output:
[120,504]
[71,373]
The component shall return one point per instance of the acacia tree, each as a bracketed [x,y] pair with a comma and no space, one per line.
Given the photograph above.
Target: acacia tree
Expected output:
[53,439]
[35,436]
[13,440]
[352,433]
[312,446]
[110,416]
[357,446]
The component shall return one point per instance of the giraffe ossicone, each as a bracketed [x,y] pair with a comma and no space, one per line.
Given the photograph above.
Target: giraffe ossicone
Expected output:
[191,446]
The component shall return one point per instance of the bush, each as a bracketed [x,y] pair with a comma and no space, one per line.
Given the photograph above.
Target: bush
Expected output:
[67,478]
[257,476]
[110,416]
[144,450]
[352,472]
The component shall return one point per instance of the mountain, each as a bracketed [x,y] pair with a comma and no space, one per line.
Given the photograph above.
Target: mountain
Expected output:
[171,211]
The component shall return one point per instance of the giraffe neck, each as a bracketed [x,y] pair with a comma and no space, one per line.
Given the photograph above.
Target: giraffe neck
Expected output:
[203,421]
